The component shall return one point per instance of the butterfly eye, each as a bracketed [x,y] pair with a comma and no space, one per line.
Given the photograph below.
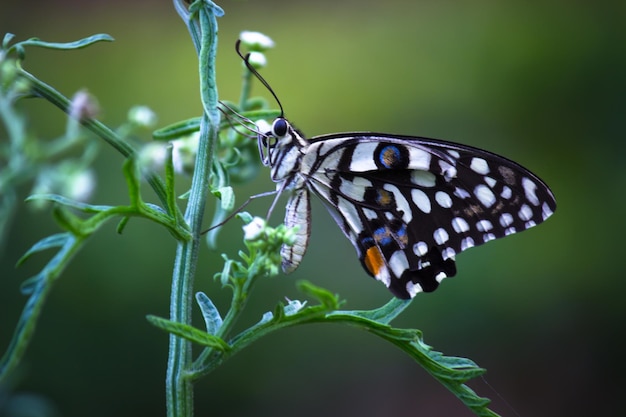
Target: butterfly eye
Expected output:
[279,127]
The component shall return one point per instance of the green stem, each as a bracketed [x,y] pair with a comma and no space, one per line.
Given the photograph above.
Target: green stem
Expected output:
[47,92]
[179,387]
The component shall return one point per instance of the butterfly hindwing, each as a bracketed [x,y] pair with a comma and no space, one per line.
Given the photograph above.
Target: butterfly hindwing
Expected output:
[409,205]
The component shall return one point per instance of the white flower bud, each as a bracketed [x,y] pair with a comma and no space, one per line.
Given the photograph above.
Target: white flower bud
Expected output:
[257,60]
[254,229]
[152,157]
[256,41]
[80,185]
[142,116]
[84,106]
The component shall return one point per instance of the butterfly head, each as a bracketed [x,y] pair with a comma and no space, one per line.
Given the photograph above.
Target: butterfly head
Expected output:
[269,137]
[281,147]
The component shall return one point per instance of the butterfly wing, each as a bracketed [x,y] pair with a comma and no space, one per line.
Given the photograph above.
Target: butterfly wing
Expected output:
[409,204]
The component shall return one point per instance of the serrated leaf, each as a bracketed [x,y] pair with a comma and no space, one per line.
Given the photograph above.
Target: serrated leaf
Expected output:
[190,333]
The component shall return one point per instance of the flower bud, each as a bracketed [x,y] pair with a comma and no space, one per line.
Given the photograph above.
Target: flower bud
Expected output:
[256,41]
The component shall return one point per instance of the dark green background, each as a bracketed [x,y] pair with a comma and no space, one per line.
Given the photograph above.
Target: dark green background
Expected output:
[540,82]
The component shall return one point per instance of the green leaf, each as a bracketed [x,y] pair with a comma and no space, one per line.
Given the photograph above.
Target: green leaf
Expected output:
[226,196]
[189,333]
[81,43]
[49,242]
[177,130]
[64,201]
[210,313]
[38,289]
[325,297]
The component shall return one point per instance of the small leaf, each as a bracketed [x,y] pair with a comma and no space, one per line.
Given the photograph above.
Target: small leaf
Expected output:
[211,315]
[81,43]
[325,297]
[49,242]
[245,217]
[8,37]
[226,196]
[64,201]
[190,333]
[122,225]
[177,130]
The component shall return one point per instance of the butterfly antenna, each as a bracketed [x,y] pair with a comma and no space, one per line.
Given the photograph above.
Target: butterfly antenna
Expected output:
[246,60]
[244,120]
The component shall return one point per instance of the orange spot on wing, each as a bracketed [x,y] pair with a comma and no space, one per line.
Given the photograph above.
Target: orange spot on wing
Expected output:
[374,260]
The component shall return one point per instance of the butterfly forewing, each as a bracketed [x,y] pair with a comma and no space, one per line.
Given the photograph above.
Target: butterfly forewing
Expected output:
[410,204]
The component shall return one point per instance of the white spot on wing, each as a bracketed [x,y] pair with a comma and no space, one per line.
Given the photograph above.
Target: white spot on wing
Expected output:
[441,236]
[467,243]
[419,159]
[443,199]
[383,275]
[530,189]
[461,193]
[398,263]
[490,182]
[506,192]
[447,170]
[488,236]
[349,212]
[440,276]
[525,213]
[460,225]
[505,219]
[546,211]
[448,253]
[420,248]
[370,214]
[484,226]
[479,166]
[363,157]
[423,178]
[401,203]
[484,195]
[413,289]
[421,200]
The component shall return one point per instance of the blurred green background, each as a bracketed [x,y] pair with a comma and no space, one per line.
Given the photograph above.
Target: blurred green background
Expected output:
[543,83]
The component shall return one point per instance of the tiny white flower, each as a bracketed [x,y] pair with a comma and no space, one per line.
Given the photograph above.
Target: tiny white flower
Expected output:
[80,185]
[257,60]
[256,41]
[142,116]
[293,307]
[253,230]
[184,153]
[152,156]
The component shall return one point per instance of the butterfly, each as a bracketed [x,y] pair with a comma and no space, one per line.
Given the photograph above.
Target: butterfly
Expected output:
[408,204]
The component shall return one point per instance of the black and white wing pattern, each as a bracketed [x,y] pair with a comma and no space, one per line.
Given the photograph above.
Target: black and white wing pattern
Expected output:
[409,205]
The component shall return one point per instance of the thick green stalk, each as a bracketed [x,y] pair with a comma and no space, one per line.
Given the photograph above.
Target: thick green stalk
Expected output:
[179,387]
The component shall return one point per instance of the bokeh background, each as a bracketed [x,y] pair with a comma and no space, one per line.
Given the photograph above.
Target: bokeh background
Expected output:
[543,83]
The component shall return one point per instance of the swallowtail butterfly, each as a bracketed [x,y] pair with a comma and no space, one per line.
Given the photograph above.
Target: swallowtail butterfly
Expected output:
[408,204]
